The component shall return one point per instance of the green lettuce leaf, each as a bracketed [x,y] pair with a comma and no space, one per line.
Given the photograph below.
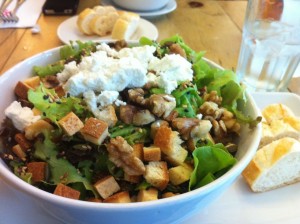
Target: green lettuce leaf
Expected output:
[210,162]
[61,170]
[53,107]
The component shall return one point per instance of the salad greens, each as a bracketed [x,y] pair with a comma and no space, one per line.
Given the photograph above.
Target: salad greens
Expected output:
[74,162]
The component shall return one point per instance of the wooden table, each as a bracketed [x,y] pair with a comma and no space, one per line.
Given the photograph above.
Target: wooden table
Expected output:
[213,26]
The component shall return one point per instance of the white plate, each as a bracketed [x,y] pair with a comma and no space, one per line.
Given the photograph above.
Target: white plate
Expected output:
[68,31]
[236,205]
[171,6]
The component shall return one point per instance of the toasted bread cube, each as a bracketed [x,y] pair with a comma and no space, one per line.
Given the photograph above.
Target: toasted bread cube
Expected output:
[94,130]
[33,82]
[18,151]
[180,174]
[138,150]
[67,192]
[132,178]
[170,144]
[107,186]
[157,174]
[97,200]
[21,90]
[39,171]
[121,197]
[152,153]
[150,194]
[59,90]
[36,112]
[24,143]
[70,124]
[168,195]
[33,130]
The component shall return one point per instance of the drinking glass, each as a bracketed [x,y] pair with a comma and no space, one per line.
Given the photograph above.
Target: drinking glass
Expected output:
[270,48]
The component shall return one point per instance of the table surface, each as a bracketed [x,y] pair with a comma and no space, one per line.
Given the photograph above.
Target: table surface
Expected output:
[213,26]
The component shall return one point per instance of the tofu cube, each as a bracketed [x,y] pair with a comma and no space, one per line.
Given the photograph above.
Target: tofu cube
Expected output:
[67,192]
[94,131]
[180,174]
[70,124]
[107,186]
[39,171]
[150,194]
[151,153]
[121,197]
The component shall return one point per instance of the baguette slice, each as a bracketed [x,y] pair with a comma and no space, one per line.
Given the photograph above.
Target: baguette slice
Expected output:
[275,165]
[84,19]
[125,26]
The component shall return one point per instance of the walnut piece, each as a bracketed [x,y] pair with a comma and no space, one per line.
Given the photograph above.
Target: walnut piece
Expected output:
[121,154]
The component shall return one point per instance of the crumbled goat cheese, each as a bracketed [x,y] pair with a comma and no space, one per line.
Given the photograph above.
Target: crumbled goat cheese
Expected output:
[99,72]
[107,97]
[20,116]
[171,69]
[70,69]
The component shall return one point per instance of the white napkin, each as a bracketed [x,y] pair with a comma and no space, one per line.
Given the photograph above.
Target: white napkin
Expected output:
[28,13]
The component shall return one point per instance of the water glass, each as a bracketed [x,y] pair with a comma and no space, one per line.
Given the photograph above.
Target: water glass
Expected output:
[270,48]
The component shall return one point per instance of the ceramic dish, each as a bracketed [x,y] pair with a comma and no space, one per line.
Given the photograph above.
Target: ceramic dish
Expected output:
[165,211]
[171,6]
[68,31]
[235,205]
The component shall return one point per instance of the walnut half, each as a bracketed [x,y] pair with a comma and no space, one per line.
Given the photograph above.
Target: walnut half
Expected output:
[121,154]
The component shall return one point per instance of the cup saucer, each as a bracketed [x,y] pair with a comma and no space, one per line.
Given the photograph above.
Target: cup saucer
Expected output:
[171,6]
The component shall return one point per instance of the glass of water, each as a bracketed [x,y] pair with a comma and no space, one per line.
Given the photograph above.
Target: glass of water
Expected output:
[270,49]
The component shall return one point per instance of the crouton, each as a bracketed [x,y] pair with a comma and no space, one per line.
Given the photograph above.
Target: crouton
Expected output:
[168,195]
[180,174]
[59,90]
[98,200]
[138,150]
[39,171]
[23,141]
[151,153]
[70,124]
[94,130]
[22,88]
[157,174]
[36,112]
[18,151]
[170,144]
[107,186]
[132,178]
[67,192]
[33,130]
[147,195]
[121,197]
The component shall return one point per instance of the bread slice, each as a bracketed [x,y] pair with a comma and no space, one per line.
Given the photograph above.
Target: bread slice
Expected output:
[275,165]
[103,22]
[84,19]
[276,112]
[125,26]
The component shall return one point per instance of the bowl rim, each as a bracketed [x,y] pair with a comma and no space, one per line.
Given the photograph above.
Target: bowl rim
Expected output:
[11,179]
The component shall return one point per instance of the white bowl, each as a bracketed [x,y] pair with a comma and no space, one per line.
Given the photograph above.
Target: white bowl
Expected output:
[169,210]
[141,5]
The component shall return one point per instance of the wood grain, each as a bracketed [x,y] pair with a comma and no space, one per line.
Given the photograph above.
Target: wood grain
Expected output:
[215,27]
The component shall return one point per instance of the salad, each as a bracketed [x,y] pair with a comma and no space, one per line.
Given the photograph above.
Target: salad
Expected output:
[124,123]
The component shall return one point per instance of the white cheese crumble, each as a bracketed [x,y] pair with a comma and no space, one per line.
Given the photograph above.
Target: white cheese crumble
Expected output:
[170,70]
[20,116]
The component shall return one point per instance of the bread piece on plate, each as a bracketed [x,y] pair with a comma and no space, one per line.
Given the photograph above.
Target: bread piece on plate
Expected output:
[103,22]
[125,26]
[84,19]
[276,112]
[275,165]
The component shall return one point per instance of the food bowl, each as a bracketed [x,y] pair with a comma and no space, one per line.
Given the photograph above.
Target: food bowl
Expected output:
[168,210]
[141,5]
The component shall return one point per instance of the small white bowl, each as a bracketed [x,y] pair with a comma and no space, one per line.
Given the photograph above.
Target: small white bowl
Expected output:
[141,5]
[164,211]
